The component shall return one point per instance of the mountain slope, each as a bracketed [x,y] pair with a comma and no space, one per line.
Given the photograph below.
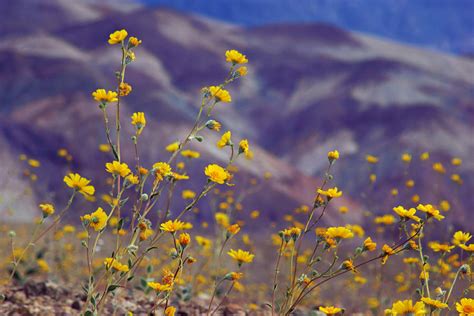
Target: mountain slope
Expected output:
[310,88]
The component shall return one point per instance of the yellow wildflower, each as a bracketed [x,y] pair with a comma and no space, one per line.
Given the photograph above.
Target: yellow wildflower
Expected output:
[162,170]
[430,211]
[438,247]
[372,159]
[456,161]
[172,226]
[134,41]
[330,310]
[43,265]
[407,307]
[117,37]
[76,182]
[465,307]
[111,263]
[190,154]
[235,57]
[405,214]
[117,168]
[170,311]
[331,193]
[216,173]
[244,148]
[369,244]
[48,209]
[461,237]
[434,304]
[241,256]
[438,167]
[339,233]
[225,140]
[124,89]
[160,287]
[103,96]
[188,194]
[139,120]
[220,94]
[172,147]
[242,71]
[97,220]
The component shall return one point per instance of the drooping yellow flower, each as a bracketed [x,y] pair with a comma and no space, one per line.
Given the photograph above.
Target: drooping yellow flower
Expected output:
[386,251]
[162,170]
[139,121]
[111,263]
[405,214]
[244,148]
[331,193]
[47,208]
[369,244]
[172,226]
[430,211]
[339,233]
[103,96]
[349,265]
[465,307]
[117,37]
[235,57]
[172,147]
[76,182]
[117,168]
[330,310]
[406,308]
[241,256]
[434,304]
[216,173]
[225,140]
[220,94]
[97,220]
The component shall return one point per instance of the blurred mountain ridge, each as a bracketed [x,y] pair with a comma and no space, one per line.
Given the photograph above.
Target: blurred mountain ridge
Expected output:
[310,88]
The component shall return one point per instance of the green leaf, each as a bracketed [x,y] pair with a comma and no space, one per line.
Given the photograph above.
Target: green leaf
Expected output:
[112,287]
